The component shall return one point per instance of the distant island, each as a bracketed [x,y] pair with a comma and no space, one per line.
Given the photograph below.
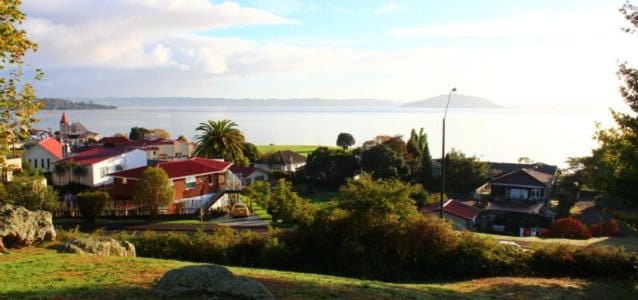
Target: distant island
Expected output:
[62,104]
[457,101]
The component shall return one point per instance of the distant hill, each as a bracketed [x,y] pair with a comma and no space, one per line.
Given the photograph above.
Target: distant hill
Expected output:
[62,104]
[226,102]
[457,101]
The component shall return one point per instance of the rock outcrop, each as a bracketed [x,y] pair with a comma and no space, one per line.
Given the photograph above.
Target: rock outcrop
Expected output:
[104,247]
[20,227]
[209,280]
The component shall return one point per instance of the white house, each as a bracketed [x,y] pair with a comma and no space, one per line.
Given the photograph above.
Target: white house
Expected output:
[44,154]
[92,166]
[249,175]
[285,160]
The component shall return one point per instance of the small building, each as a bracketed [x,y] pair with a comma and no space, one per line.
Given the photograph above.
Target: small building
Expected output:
[284,160]
[462,216]
[157,149]
[44,154]
[91,167]
[199,183]
[249,175]
[75,134]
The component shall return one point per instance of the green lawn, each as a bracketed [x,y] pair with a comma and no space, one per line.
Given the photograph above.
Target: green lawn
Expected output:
[301,149]
[629,243]
[39,273]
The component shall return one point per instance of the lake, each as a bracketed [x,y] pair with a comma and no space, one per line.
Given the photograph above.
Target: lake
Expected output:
[550,135]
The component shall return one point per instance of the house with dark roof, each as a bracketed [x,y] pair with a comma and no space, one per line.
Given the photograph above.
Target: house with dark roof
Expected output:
[249,175]
[461,215]
[91,167]
[284,160]
[516,199]
[198,183]
[44,154]
[75,133]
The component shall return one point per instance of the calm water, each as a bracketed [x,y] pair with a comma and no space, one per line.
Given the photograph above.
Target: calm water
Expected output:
[542,134]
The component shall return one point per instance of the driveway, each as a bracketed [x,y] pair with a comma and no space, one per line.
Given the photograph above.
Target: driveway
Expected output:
[252,222]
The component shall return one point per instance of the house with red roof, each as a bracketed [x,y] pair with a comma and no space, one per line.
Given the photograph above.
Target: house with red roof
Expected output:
[199,183]
[44,154]
[249,175]
[91,167]
[461,215]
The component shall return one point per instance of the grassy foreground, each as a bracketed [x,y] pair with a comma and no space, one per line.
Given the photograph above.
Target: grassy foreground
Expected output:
[41,273]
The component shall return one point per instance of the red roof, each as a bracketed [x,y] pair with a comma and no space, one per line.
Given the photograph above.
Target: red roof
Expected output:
[244,171]
[181,168]
[65,119]
[114,140]
[52,145]
[97,154]
[456,208]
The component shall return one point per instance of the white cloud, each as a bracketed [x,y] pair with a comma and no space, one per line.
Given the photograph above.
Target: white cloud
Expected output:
[389,8]
[126,33]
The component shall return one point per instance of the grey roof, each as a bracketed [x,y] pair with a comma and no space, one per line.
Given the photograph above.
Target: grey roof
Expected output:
[283,157]
[497,168]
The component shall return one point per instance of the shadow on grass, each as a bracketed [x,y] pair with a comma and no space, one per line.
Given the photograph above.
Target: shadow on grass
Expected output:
[81,292]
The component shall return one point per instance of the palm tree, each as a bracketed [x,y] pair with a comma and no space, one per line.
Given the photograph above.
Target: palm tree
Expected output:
[220,139]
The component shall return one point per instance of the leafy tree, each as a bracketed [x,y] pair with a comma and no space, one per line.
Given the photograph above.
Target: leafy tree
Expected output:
[383,162]
[287,206]
[421,160]
[251,152]
[182,138]
[92,204]
[378,198]
[154,189]
[331,167]
[259,192]
[345,140]
[220,139]
[137,133]
[613,166]
[464,173]
[31,193]
[159,133]
[18,103]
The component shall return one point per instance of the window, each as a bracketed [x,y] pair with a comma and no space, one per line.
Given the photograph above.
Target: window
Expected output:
[104,171]
[191,182]
[35,163]
[123,180]
[42,163]
[48,163]
[536,193]
[516,194]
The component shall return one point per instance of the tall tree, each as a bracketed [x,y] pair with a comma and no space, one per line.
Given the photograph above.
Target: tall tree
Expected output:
[613,166]
[464,173]
[154,189]
[138,133]
[383,162]
[421,160]
[220,139]
[18,103]
[345,140]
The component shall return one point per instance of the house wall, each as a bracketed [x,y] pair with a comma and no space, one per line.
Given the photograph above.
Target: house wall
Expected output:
[97,172]
[205,184]
[457,222]
[123,189]
[176,150]
[279,167]
[499,192]
[37,153]
[258,175]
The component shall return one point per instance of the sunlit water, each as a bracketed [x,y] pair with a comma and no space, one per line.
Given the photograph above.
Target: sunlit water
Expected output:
[542,134]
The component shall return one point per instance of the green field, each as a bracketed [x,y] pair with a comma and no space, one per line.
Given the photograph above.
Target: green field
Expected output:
[301,149]
[39,273]
[629,243]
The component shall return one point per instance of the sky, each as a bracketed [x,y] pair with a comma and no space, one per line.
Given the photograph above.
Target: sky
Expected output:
[523,52]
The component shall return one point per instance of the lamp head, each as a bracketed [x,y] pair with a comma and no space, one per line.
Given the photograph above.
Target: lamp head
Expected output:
[453,90]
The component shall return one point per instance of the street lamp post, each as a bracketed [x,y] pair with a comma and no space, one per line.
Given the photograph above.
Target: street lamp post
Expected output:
[443,153]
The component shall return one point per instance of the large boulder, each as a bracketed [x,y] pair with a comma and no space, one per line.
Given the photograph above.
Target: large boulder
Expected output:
[20,227]
[104,247]
[209,280]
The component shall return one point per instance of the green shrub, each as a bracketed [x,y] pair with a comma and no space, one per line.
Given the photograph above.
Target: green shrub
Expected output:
[483,256]
[92,204]
[592,262]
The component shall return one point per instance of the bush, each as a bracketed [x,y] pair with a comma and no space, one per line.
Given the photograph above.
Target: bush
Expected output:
[591,262]
[481,256]
[569,228]
[610,228]
[92,204]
